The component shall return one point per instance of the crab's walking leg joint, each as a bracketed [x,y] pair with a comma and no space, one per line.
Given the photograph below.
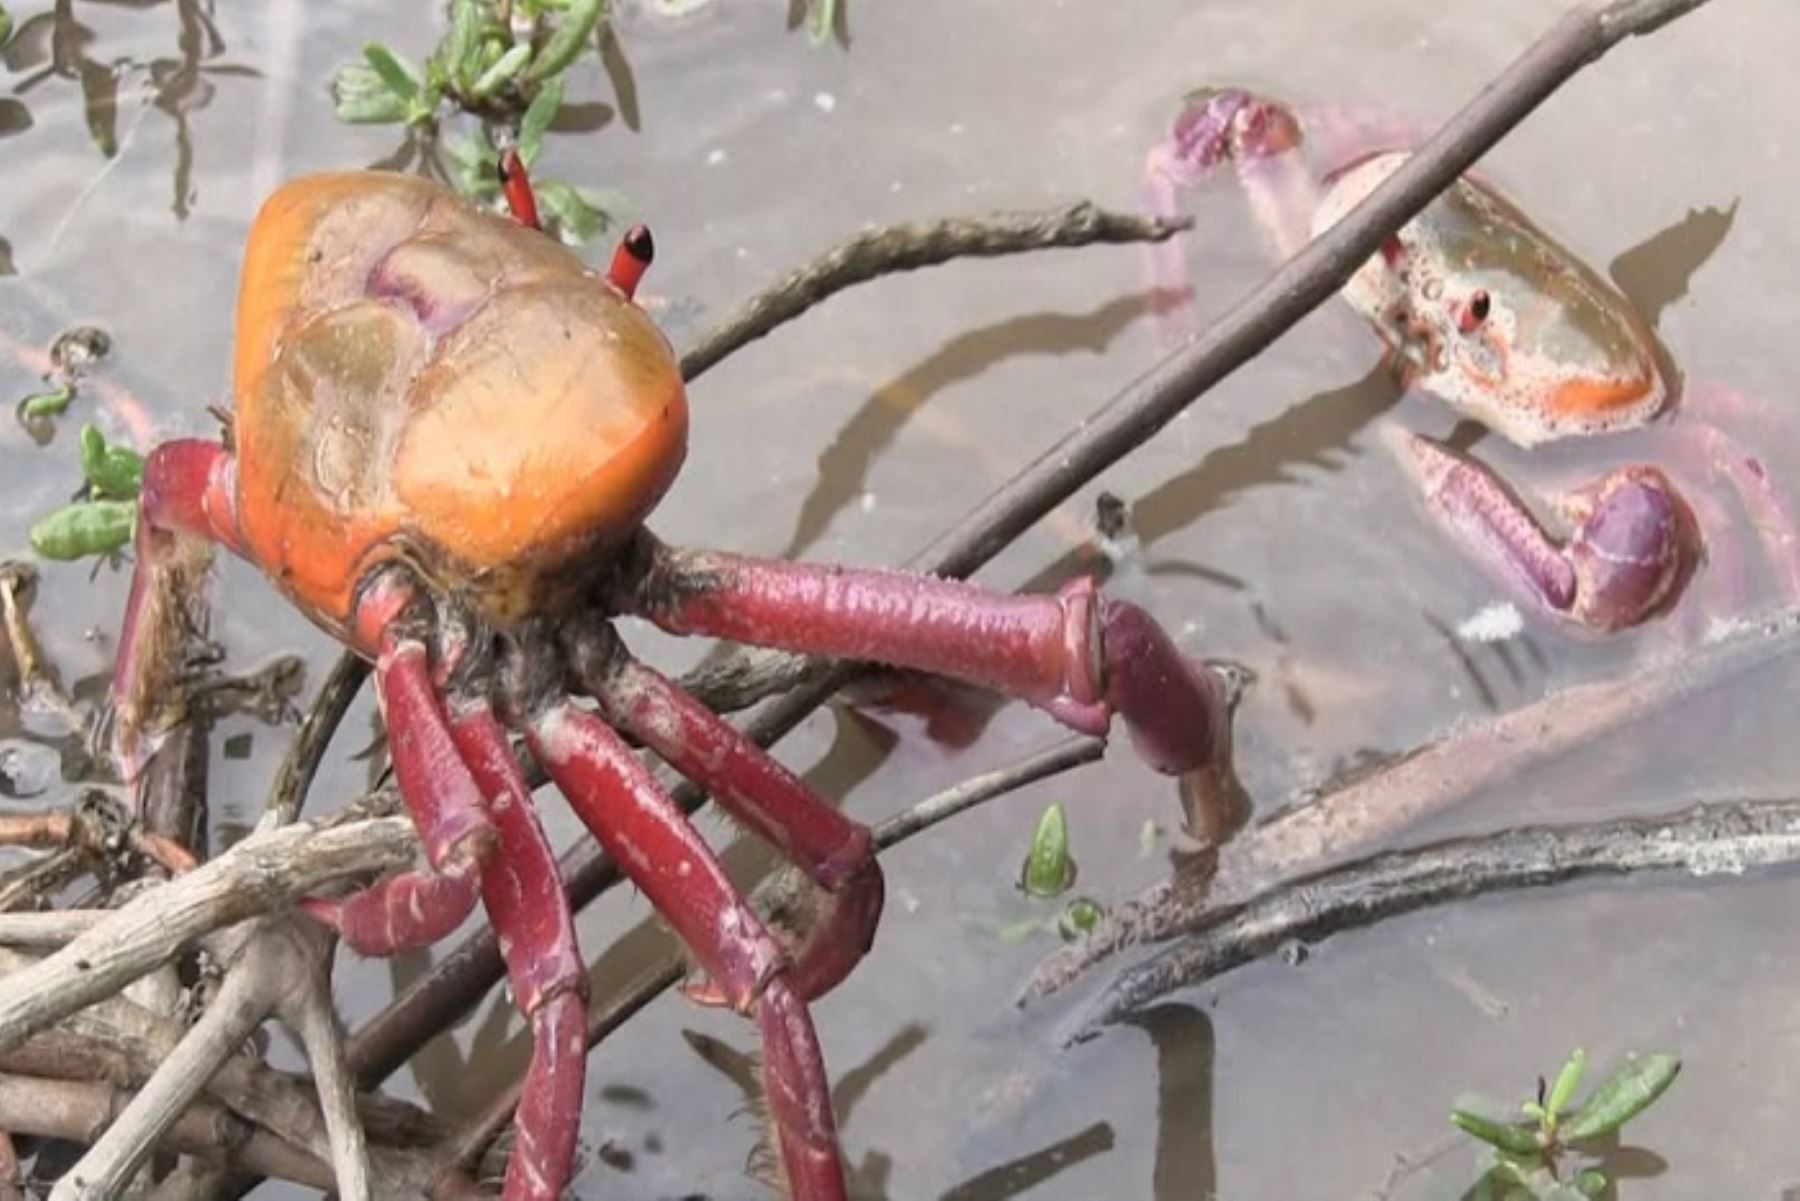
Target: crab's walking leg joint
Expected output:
[837,854]
[187,503]
[640,826]
[1078,655]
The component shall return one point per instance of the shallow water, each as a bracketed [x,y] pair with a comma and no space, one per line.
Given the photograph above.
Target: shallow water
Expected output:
[1276,533]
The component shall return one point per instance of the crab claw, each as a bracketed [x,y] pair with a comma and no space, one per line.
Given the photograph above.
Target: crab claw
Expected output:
[1630,549]
[1633,547]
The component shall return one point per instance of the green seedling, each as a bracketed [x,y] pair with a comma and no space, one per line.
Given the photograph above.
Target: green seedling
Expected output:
[1528,1158]
[1049,870]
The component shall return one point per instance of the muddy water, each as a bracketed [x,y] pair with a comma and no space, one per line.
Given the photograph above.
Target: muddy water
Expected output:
[1275,532]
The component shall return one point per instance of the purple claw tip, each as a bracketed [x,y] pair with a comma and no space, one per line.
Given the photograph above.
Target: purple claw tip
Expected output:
[1631,551]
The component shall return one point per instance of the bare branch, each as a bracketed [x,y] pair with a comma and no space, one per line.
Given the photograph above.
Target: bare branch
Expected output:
[895,248]
[1706,840]
[77,1111]
[264,873]
[293,779]
[241,1006]
[1427,781]
[312,1018]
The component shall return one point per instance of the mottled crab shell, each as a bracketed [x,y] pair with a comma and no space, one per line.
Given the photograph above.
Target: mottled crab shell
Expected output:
[1560,351]
[419,380]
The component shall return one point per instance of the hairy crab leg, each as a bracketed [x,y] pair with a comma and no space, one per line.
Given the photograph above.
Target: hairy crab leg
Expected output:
[1079,656]
[186,503]
[522,891]
[836,853]
[644,831]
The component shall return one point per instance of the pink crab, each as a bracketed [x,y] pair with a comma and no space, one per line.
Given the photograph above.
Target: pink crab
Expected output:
[1482,309]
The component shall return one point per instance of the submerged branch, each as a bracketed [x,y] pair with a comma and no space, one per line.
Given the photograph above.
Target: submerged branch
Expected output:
[1706,840]
[892,249]
[1428,781]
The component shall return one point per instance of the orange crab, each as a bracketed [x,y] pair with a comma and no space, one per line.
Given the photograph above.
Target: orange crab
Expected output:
[448,431]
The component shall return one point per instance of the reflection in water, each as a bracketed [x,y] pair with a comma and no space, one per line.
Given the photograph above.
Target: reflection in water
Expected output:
[1027,1172]
[844,465]
[1185,1166]
[868,1179]
[63,47]
[1316,432]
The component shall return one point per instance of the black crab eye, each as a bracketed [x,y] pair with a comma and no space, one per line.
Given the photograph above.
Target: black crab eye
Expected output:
[1474,311]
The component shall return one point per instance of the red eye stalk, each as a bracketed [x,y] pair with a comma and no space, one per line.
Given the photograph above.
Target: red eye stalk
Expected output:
[631,259]
[516,185]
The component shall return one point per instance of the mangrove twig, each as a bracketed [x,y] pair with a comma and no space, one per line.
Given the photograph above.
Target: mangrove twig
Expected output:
[264,873]
[1428,781]
[891,249]
[1710,839]
[1130,418]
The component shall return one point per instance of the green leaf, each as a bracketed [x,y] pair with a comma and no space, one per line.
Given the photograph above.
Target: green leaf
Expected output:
[114,472]
[1590,1182]
[1567,1081]
[477,173]
[1517,1140]
[1626,1093]
[6,25]
[1048,869]
[363,98]
[40,405]
[401,77]
[461,50]
[95,527]
[504,68]
[577,219]
[537,118]
[572,33]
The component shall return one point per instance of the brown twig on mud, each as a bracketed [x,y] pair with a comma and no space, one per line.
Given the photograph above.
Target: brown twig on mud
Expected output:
[478,1132]
[1711,839]
[1427,781]
[1124,422]
[891,249]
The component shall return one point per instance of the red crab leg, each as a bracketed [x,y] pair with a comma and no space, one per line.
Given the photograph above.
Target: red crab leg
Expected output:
[1078,655]
[186,502]
[523,893]
[646,834]
[416,908]
[836,853]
